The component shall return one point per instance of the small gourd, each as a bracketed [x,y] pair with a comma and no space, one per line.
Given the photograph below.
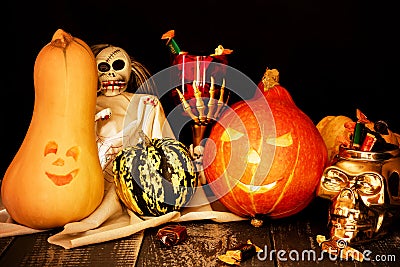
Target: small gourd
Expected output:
[55,177]
[156,176]
[334,132]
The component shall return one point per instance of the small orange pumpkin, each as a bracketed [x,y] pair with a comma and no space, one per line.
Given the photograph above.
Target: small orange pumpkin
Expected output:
[55,177]
[260,163]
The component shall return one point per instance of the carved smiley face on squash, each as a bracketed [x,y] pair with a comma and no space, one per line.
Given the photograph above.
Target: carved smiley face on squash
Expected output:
[61,167]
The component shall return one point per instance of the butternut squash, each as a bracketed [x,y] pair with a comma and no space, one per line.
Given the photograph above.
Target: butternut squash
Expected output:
[55,177]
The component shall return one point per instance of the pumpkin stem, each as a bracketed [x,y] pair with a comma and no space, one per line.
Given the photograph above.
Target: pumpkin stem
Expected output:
[145,138]
[270,79]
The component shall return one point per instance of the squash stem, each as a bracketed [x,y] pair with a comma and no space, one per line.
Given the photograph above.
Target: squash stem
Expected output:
[145,138]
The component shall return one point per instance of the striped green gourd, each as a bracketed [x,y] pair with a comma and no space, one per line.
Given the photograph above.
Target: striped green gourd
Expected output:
[155,177]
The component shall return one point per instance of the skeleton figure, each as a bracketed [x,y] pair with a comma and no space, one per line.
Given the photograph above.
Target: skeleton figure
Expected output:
[364,191]
[126,103]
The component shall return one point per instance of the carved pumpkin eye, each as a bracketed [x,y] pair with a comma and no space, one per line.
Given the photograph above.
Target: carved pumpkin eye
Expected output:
[231,134]
[51,147]
[73,152]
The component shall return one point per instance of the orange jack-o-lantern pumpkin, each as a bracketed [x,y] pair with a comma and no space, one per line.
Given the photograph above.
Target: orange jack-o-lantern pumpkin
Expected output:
[265,157]
[55,177]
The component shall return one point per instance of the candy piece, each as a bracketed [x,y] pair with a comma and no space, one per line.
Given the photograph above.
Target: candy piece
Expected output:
[368,142]
[361,116]
[240,253]
[381,127]
[357,136]
[173,46]
[228,259]
[172,234]
[220,50]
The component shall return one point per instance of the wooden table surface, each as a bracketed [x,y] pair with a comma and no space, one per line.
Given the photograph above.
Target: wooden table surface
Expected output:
[294,237]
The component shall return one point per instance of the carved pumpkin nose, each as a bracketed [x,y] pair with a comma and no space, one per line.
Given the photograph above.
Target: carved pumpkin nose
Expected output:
[59,162]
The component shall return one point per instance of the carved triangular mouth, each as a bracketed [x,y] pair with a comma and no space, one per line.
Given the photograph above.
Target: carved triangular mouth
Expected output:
[62,179]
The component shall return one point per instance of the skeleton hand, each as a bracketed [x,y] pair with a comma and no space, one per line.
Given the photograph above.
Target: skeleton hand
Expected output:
[103,114]
[214,106]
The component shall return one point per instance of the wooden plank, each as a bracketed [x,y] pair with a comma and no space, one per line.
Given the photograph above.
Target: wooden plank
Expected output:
[296,236]
[206,240]
[34,250]
[5,243]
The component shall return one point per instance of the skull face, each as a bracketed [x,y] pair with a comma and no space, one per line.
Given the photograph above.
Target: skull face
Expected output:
[114,70]
[198,152]
[364,191]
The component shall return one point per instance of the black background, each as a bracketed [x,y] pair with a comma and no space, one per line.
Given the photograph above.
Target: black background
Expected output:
[333,56]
